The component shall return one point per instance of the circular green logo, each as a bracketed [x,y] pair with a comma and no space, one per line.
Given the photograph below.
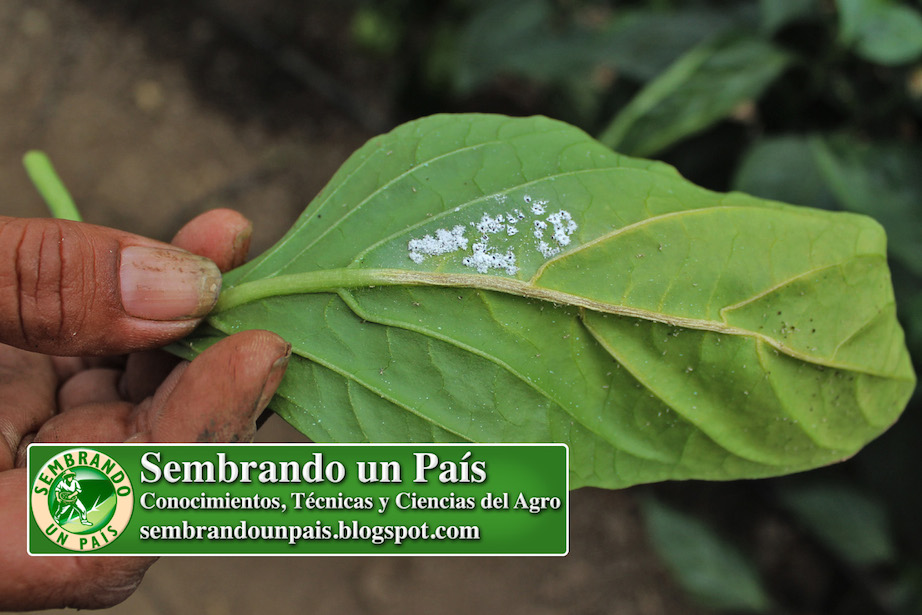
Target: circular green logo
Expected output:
[82,499]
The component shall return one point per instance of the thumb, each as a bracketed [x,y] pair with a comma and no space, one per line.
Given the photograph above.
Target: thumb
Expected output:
[68,288]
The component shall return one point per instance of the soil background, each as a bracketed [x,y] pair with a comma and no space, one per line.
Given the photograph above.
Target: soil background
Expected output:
[155,112]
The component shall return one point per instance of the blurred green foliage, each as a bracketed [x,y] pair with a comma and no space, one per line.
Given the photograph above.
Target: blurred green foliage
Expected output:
[711,569]
[813,102]
[703,87]
[849,521]
[882,31]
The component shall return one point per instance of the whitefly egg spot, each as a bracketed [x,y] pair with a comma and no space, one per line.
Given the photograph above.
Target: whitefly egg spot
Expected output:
[564,226]
[546,249]
[485,258]
[540,225]
[490,226]
[444,242]
[551,233]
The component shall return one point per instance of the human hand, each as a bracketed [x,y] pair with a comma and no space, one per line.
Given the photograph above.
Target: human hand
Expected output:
[85,291]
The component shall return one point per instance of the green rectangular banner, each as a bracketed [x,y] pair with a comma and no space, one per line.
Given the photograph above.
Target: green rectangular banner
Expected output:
[298,499]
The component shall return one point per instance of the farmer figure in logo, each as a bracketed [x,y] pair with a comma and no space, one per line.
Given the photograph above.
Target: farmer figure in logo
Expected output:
[66,495]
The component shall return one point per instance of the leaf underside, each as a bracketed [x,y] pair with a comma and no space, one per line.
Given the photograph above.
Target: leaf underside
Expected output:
[661,330]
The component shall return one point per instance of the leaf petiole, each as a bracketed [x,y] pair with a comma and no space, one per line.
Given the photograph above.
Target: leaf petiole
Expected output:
[309,282]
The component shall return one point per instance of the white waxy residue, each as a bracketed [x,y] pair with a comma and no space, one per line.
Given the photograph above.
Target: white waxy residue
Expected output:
[540,225]
[564,226]
[490,226]
[485,258]
[445,241]
[482,256]
[546,250]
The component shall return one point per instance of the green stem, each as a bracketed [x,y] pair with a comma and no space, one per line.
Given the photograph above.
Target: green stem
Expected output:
[310,282]
[50,186]
[332,280]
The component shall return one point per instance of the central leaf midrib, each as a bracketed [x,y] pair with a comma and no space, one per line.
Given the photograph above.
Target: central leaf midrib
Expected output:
[332,280]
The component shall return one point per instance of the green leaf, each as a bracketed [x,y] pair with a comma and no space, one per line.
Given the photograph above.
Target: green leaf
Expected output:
[881,31]
[705,565]
[525,38]
[846,520]
[518,37]
[661,330]
[880,180]
[643,43]
[701,88]
[778,13]
[785,169]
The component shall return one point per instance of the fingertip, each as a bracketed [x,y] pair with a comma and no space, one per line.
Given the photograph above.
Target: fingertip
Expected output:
[223,390]
[221,235]
[107,581]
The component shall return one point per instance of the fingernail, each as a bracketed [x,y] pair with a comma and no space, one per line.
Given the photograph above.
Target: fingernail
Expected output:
[164,284]
[241,245]
[272,382]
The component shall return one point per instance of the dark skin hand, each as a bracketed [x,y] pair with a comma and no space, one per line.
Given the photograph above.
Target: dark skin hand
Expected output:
[72,297]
